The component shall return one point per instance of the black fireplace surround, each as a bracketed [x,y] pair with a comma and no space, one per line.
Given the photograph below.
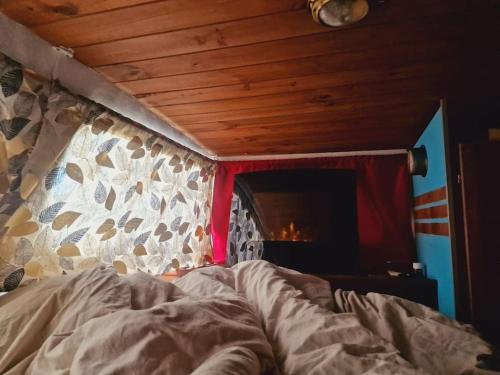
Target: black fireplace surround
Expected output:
[308,217]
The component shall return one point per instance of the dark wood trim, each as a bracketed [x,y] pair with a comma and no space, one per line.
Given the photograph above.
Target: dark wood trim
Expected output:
[432,196]
[438,229]
[451,182]
[434,212]
[480,202]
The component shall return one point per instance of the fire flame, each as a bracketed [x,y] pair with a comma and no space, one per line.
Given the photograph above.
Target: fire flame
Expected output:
[290,233]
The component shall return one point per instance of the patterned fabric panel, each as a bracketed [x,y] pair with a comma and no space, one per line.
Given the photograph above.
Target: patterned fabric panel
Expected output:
[23,99]
[244,238]
[10,276]
[12,280]
[118,195]
[96,188]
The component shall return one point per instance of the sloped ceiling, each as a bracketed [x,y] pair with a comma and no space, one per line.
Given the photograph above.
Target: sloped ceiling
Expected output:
[259,76]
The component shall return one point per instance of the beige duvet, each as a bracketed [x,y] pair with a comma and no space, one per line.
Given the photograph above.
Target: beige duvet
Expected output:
[255,318]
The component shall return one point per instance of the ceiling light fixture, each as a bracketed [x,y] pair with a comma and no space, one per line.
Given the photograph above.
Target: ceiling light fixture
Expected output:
[337,13]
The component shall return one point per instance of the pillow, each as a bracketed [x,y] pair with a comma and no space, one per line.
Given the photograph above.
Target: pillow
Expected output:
[10,276]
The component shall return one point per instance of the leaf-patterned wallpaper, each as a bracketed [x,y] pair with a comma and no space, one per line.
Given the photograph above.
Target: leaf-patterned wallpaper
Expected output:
[117,194]
[22,100]
[244,241]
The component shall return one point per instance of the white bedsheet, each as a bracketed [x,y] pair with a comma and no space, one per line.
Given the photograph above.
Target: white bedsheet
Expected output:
[255,318]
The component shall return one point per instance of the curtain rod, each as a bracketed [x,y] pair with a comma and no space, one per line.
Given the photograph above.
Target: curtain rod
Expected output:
[33,52]
[312,155]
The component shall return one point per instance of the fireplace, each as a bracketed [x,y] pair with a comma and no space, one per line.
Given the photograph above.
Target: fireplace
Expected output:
[307,218]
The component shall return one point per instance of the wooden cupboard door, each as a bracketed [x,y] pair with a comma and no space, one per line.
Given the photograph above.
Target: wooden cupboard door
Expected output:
[480,171]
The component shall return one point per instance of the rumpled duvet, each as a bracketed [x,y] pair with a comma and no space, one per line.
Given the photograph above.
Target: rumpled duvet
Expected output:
[255,318]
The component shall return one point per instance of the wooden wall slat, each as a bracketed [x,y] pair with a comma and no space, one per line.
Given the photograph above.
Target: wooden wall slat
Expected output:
[369,128]
[432,196]
[439,229]
[334,140]
[335,64]
[434,212]
[299,103]
[336,112]
[38,12]
[204,38]
[165,16]
[402,116]
[413,32]
[326,137]
[157,17]
[400,121]
[379,77]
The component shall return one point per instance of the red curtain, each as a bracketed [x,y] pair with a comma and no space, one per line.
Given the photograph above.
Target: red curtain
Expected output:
[383,199]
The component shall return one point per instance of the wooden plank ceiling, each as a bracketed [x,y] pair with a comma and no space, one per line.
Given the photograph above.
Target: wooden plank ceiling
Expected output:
[259,76]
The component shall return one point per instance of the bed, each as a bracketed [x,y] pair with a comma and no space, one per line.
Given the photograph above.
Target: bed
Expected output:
[254,318]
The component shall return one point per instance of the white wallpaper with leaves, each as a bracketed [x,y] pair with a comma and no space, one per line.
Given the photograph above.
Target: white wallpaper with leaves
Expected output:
[23,100]
[117,195]
[244,240]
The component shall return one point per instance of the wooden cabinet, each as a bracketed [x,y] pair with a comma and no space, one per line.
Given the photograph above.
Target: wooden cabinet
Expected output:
[480,176]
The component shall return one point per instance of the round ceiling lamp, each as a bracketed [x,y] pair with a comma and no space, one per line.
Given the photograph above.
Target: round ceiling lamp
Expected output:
[337,13]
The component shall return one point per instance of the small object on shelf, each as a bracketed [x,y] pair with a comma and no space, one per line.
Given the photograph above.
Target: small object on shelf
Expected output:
[418,269]
[393,273]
